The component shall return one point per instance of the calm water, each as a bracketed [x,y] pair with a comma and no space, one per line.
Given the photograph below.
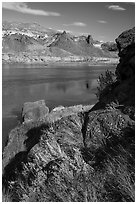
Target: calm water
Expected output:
[62,85]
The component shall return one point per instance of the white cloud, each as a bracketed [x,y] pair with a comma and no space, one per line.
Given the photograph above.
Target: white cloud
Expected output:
[116,8]
[101,21]
[79,24]
[76,24]
[23,8]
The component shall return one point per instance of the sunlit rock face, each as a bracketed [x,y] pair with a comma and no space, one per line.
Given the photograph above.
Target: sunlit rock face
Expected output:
[32,111]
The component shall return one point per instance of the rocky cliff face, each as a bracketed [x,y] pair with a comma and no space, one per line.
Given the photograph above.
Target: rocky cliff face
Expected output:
[78,154]
[126,46]
[81,45]
[125,71]
[122,91]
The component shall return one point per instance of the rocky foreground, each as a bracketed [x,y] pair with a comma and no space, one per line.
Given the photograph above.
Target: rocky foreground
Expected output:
[77,154]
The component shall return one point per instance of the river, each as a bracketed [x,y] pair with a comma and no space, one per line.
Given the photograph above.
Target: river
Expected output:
[57,85]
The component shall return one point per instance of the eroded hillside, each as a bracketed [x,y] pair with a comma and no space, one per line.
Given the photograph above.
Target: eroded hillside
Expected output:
[32,43]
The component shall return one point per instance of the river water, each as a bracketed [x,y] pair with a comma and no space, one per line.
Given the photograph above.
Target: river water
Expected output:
[57,85]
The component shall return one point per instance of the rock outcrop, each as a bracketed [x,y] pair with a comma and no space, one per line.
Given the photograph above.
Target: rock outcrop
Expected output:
[78,154]
[90,40]
[33,111]
[122,92]
[126,46]
[80,46]
[110,46]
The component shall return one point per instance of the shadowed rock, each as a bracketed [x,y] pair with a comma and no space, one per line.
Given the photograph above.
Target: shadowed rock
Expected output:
[122,91]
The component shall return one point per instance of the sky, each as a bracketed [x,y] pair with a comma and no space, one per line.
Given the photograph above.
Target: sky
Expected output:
[103,20]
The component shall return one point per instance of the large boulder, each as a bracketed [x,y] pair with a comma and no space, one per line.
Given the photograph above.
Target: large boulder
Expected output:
[32,111]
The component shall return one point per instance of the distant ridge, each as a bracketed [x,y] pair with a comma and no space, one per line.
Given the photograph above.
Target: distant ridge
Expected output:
[30,38]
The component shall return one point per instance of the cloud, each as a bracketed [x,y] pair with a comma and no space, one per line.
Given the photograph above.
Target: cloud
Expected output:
[116,8]
[101,21]
[76,24]
[23,8]
[79,24]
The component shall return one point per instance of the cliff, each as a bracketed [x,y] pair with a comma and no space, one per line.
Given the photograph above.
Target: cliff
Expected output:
[82,45]
[78,153]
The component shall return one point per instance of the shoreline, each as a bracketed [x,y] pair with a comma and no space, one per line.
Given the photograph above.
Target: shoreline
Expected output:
[8,58]
[68,63]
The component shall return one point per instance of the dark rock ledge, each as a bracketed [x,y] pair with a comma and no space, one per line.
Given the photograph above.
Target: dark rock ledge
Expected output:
[78,154]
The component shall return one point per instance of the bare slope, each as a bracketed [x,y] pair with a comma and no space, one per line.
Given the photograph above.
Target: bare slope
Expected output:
[20,38]
[78,46]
